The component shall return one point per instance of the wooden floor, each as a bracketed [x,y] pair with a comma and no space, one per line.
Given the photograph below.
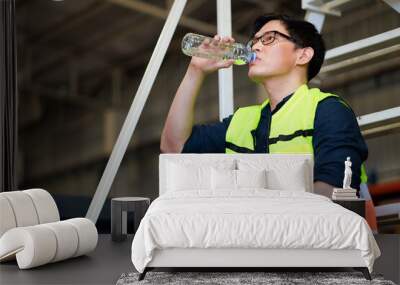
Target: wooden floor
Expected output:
[110,260]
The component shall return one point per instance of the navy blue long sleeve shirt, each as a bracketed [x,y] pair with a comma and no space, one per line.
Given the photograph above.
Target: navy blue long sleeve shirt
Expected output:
[336,136]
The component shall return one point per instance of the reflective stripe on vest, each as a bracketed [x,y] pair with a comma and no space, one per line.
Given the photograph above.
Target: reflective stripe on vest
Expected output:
[291,128]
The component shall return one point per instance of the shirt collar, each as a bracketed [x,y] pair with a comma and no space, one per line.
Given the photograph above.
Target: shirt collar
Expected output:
[278,106]
[282,102]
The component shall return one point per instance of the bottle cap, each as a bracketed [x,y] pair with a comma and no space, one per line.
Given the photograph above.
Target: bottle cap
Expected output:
[253,57]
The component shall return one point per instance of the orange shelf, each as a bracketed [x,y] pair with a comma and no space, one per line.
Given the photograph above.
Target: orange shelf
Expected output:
[382,189]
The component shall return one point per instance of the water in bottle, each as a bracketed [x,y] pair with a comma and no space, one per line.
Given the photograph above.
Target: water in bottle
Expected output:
[198,45]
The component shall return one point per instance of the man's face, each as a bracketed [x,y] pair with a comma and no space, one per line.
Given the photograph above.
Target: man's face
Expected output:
[274,59]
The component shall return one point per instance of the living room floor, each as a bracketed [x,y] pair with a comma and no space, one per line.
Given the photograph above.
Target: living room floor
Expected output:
[110,259]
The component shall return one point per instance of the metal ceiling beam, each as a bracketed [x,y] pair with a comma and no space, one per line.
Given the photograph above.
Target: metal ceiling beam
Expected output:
[359,59]
[361,44]
[321,7]
[97,39]
[73,21]
[161,13]
[395,4]
[193,5]
[381,130]
[155,11]
[55,57]
[332,81]
[380,123]
[379,117]
[80,18]
[369,12]
[190,7]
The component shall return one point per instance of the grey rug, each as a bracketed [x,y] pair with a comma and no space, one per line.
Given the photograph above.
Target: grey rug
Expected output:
[269,278]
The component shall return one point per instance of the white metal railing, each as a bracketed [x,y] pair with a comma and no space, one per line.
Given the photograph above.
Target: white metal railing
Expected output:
[135,110]
[225,76]
[377,117]
[364,43]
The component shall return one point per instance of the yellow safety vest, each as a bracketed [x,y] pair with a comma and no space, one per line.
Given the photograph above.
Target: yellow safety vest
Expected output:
[291,128]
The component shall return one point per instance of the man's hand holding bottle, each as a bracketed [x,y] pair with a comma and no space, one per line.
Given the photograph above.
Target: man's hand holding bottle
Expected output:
[209,65]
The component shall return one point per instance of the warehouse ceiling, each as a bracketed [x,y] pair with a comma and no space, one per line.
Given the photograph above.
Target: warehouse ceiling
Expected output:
[71,50]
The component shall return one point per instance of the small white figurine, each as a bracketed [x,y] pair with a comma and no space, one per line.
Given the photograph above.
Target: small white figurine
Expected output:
[347,174]
[345,193]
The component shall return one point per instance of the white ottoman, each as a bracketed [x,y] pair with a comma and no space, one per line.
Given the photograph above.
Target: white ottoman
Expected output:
[31,232]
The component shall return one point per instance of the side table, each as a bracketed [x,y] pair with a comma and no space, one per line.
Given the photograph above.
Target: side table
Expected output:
[119,215]
[356,205]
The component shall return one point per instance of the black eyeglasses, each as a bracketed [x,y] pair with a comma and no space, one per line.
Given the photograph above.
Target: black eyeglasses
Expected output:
[268,38]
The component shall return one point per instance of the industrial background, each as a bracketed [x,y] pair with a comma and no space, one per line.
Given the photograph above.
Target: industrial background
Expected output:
[80,64]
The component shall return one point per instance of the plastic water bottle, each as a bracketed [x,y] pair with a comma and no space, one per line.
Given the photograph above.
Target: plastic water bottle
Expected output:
[192,46]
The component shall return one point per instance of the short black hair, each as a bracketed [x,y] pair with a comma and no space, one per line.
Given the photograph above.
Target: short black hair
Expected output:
[304,33]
